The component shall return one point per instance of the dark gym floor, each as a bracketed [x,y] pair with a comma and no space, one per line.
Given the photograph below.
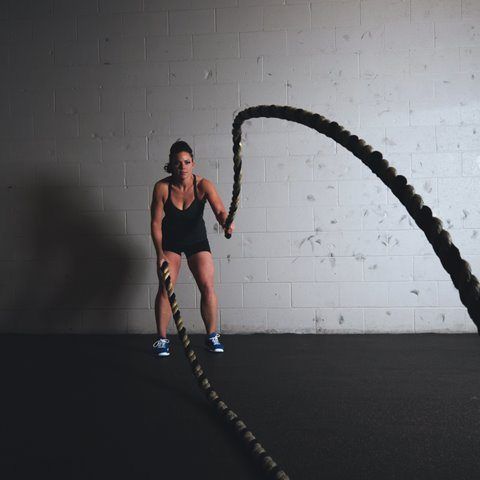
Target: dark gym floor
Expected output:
[324,407]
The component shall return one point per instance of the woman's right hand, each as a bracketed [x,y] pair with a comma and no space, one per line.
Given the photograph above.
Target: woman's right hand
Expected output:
[160,260]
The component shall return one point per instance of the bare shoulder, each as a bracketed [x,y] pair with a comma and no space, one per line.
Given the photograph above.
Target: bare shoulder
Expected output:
[160,190]
[204,186]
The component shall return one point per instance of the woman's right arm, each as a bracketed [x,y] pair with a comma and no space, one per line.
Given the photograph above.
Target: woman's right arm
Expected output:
[156,211]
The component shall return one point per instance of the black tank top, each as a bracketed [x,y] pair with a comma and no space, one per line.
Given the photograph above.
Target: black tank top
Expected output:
[187,226]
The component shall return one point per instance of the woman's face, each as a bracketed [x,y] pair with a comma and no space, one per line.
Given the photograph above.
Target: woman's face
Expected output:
[183,165]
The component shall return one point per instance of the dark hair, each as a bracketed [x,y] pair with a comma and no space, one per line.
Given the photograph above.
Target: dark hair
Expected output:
[177,147]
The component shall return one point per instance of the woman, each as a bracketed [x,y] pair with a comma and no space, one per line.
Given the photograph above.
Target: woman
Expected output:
[182,197]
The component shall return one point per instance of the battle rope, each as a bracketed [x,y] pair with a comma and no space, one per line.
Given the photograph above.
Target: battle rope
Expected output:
[441,241]
[449,255]
[259,454]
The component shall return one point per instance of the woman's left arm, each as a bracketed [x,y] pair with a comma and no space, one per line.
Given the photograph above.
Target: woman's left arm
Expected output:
[217,205]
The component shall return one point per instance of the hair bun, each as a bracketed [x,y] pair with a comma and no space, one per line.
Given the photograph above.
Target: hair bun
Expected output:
[180,146]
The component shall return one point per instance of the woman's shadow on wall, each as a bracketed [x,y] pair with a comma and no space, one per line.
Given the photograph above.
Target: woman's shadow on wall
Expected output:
[66,260]
[69,266]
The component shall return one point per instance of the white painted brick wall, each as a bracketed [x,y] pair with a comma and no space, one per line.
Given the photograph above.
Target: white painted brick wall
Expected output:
[381,11]
[313,294]
[363,294]
[283,17]
[338,269]
[337,218]
[439,320]
[336,320]
[291,320]
[267,295]
[191,21]
[260,245]
[265,195]
[298,269]
[243,320]
[255,44]
[239,19]
[218,45]
[93,93]
[395,320]
[310,42]
[336,13]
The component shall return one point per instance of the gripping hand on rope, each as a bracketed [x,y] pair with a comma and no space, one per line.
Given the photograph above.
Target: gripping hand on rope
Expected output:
[228,230]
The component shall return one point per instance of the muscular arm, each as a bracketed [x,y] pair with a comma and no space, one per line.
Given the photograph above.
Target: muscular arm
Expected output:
[216,204]
[156,211]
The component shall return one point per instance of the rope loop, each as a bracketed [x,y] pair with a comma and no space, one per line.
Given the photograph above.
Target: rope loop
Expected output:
[421,214]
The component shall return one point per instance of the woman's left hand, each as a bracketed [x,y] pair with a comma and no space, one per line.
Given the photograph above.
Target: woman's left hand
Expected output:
[230,229]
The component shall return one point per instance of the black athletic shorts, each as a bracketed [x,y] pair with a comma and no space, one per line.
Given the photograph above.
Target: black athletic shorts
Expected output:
[202,246]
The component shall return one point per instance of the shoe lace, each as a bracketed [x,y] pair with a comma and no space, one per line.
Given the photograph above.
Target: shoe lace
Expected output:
[162,342]
[215,340]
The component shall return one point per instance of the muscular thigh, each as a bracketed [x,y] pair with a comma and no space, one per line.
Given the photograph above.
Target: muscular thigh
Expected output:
[202,267]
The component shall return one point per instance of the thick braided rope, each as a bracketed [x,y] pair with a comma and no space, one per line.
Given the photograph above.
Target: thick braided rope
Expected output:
[258,453]
[449,255]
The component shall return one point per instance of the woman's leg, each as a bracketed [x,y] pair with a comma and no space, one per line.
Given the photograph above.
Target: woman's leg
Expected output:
[202,268]
[163,311]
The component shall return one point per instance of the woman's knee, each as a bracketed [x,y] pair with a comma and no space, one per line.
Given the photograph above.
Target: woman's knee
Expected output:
[207,290]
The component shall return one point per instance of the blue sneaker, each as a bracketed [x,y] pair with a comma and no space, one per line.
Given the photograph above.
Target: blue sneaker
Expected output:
[162,347]
[212,343]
